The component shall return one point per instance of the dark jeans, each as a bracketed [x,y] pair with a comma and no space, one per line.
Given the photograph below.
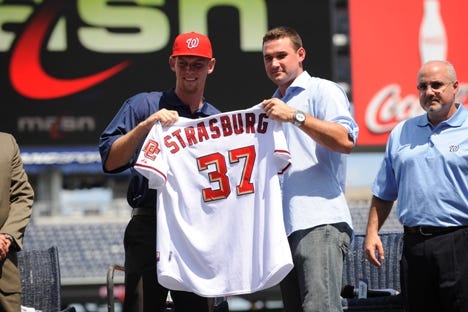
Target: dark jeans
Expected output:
[434,272]
[143,293]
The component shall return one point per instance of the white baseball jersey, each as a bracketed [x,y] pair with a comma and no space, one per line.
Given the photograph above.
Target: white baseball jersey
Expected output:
[220,227]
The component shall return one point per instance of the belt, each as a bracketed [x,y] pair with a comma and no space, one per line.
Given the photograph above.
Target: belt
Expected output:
[150,212]
[431,230]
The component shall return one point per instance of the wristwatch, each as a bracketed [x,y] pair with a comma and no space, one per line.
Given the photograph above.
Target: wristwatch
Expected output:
[299,118]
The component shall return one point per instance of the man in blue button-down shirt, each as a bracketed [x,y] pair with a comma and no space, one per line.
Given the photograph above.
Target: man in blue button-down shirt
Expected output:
[319,130]
[426,167]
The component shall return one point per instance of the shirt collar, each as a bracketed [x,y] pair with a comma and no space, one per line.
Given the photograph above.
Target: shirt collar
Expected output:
[455,121]
[299,84]
[184,110]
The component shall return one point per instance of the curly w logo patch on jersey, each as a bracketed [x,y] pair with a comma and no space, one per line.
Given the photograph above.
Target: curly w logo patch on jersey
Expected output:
[151,149]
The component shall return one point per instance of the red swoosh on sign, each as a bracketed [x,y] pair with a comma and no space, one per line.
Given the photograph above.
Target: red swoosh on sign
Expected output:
[26,73]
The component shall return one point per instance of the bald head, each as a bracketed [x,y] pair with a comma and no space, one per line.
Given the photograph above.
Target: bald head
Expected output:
[444,68]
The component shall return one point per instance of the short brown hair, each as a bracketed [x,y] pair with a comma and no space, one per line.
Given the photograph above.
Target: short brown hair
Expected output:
[284,32]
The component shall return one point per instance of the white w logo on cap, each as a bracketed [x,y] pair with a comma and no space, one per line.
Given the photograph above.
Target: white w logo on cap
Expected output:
[192,43]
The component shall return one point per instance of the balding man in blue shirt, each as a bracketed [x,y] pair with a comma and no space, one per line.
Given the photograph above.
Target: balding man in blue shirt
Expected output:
[425,167]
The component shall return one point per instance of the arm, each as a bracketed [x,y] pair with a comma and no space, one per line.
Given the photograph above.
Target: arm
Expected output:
[21,197]
[329,134]
[378,213]
[123,149]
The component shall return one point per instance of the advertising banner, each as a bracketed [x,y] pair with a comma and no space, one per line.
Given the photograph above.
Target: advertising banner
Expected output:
[390,40]
[66,67]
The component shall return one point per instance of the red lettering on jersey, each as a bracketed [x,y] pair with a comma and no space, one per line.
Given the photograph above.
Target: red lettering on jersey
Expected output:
[190,135]
[250,123]
[226,125]
[202,133]
[216,132]
[262,125]
[237,123]
[172,146]
[179,137]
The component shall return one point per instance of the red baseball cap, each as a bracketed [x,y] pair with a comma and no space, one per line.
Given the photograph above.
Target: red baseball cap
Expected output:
[192,44]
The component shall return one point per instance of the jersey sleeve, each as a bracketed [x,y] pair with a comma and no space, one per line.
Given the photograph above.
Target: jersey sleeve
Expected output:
[282,154]
[151,163]
[282,159]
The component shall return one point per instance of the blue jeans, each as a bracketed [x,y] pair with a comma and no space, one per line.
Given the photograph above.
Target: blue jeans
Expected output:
[314,284]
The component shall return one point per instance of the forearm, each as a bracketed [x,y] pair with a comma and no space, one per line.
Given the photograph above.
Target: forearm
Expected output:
[125,147]
[329,134]
[373,246]
[378,213]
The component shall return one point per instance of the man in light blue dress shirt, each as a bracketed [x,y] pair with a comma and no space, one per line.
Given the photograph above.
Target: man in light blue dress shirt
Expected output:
[425,167]
[319,130]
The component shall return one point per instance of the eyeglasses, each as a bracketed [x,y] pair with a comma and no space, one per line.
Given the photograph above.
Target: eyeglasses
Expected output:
[435,86]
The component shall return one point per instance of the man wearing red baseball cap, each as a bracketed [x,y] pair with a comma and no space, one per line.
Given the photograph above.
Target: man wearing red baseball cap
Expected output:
[120,143]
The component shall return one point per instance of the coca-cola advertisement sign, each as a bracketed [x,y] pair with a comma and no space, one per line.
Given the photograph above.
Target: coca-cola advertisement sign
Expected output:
[390,40]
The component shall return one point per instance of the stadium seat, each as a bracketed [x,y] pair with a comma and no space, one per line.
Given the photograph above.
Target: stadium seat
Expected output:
[83,260]
[40,280]
[383,282]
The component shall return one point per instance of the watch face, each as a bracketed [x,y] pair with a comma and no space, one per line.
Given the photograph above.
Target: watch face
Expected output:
[300,117]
